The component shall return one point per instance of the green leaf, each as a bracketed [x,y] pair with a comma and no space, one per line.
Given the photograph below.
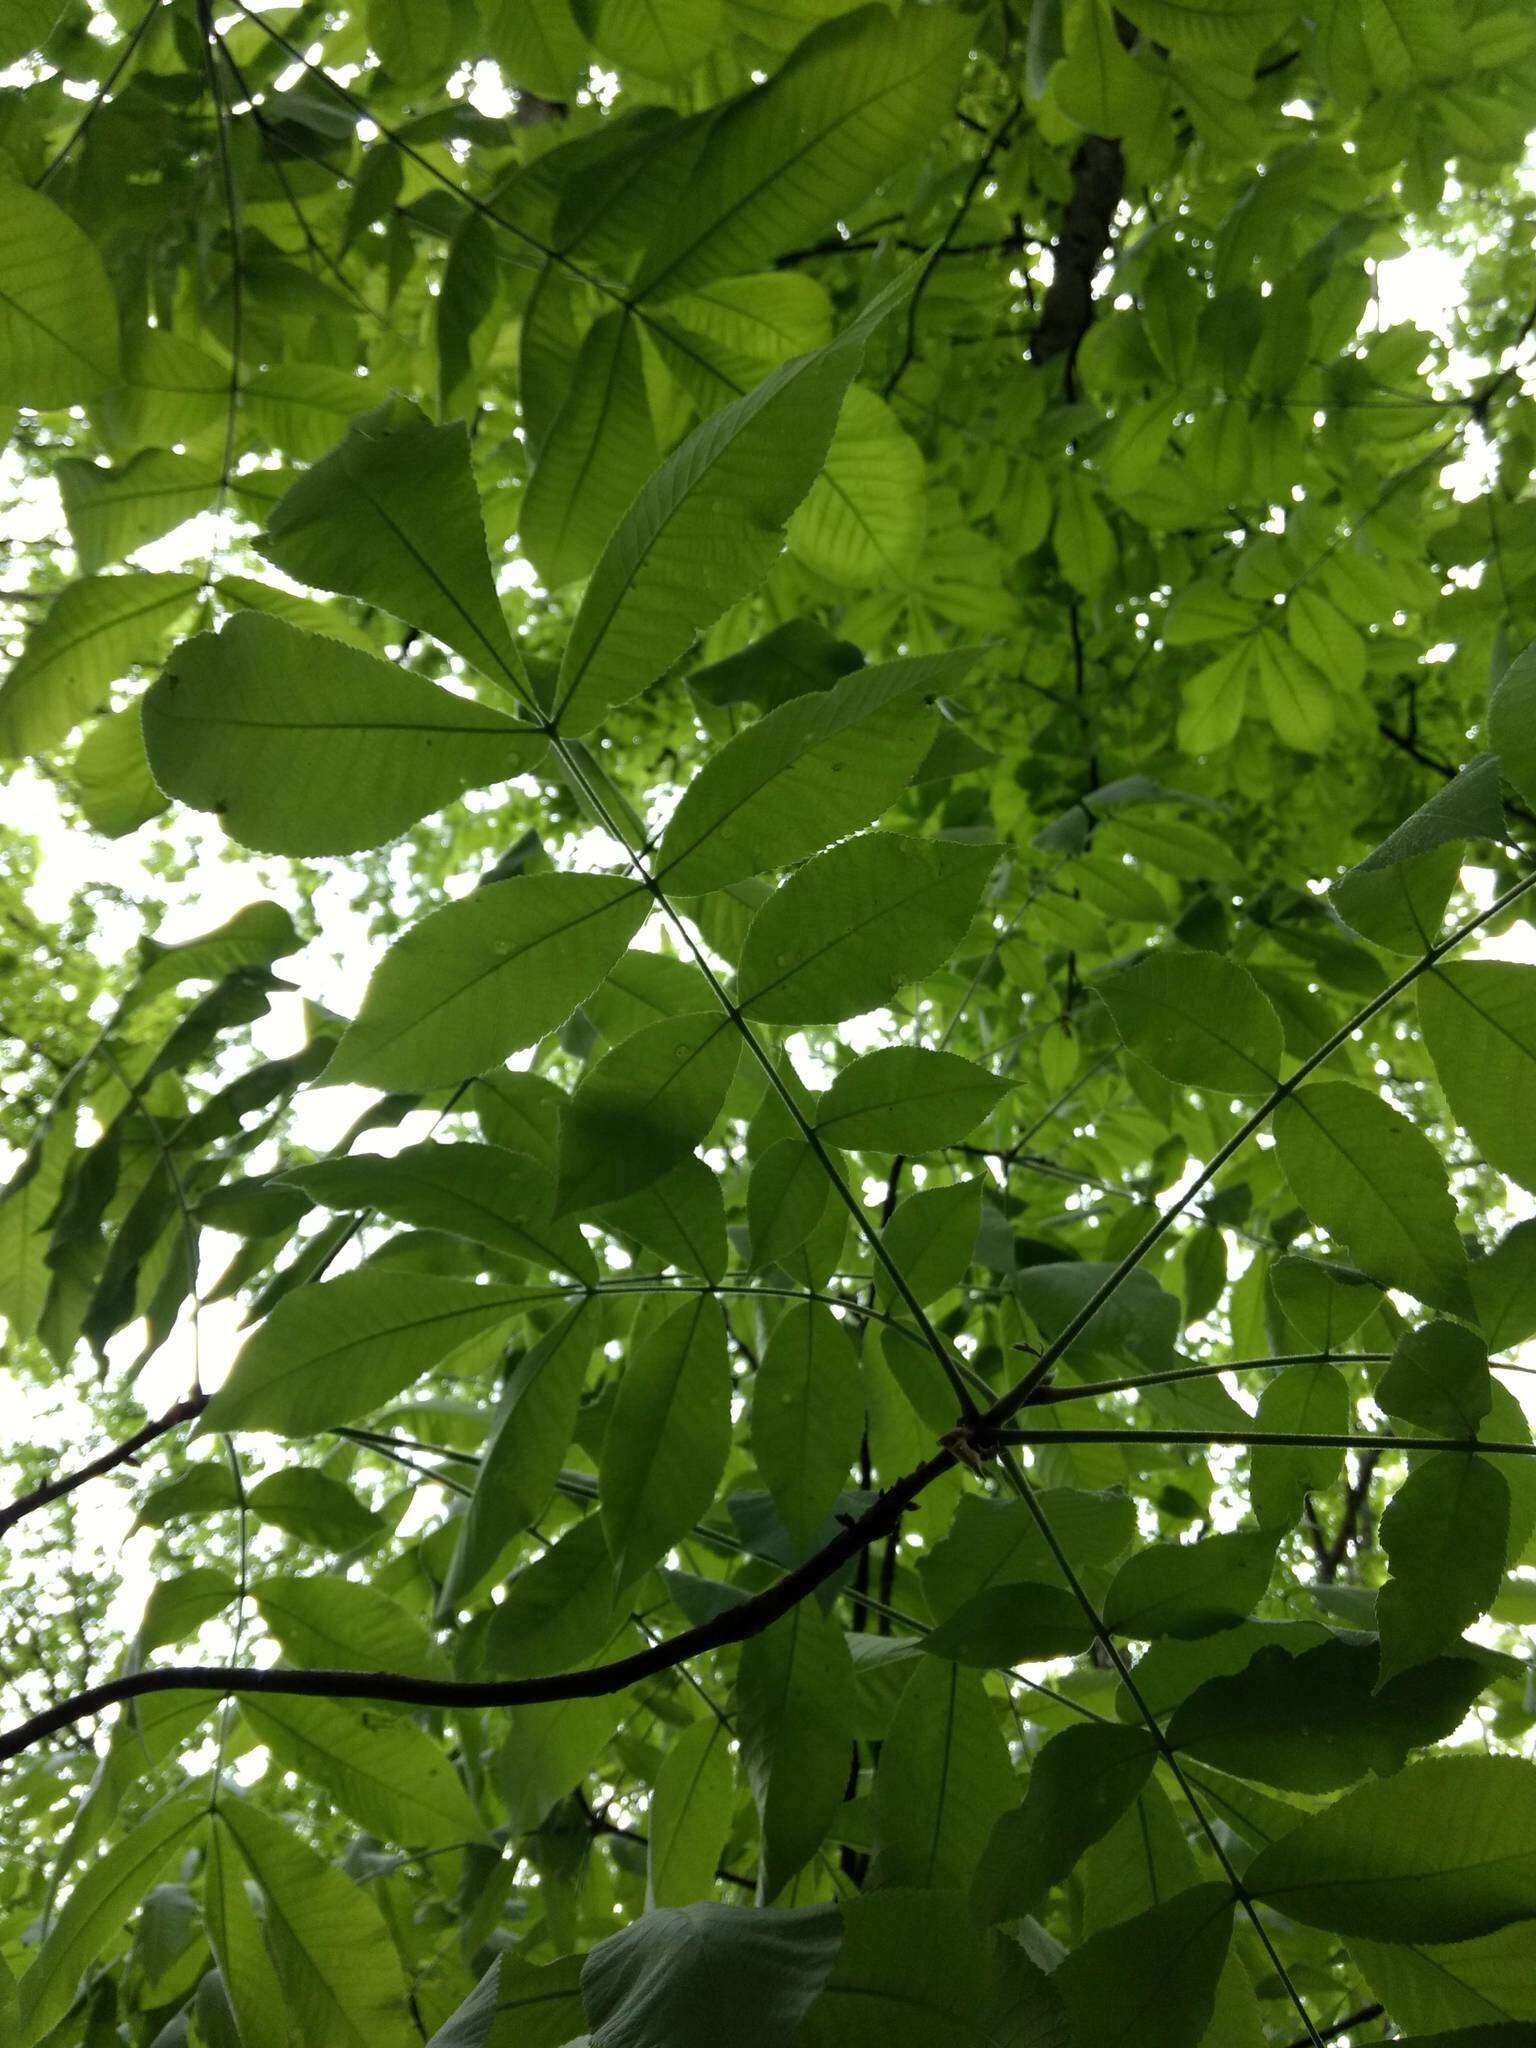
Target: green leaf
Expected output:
[1438,1380]
[1479,1023]
[807,1416]
[392,517]
[863,520]
[117,792]
[808,773]
[931,1238]
[1151,1980]
[304,746]
[857,923]
[795,1714]
[1512,722]
[787,1196]
[1444,1851]
[667,1439]
[480,1192]
[338,1965]
[1191,1589]
[1445,1532]
[518,2004]
[680,1217]
[1079,1785]
[793,660]
[858,97]
[1316,1720]
[907,1099]
[1504,1288]
[327,1622]
[558,1611]
[534,1423]
[92,634]
[913,1972]
[1371,1180]
[113,512]
[328,1353]
[315,1508]
[669,1976]
[539,47]
[944,1778]
[1397,895]
[381,1769]
[689,1819]
[597,454]
[1304,1400]
[1018,1623]
[1324,1304]
[58,319]
[645,1105]
[550,1749]
[1199,1018]
[235,1937]
[484,977]
[706,528]
[92,1918]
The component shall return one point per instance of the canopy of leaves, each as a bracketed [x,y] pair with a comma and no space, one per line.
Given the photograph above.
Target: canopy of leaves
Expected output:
[757,1273]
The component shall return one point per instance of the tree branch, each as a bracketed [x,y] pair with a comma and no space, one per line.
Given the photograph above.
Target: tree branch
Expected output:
[735,1625]
[1087,225]
[120,1454]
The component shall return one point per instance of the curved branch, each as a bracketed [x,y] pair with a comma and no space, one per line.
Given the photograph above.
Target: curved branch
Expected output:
[120,1454]
[735,1625]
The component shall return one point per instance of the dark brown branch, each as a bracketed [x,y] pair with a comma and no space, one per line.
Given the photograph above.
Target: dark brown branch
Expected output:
[1354,1502]
[1087,225]
[735,1625]
[120,1454]
[1362,2018]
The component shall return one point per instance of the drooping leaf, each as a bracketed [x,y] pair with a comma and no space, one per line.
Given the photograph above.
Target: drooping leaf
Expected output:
[787,1196]
[1479,1023]
[641,1110]
[1363,1172]
[667,1439]
[58,321]
[795,1700]
[480,1192]
[669,1975]
[340,1969]
[1079,1785]
[481,978]
[807,1416]
[944,1778]
[1444,1532]
[302,745]
[1152,1979]
[330,1352]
